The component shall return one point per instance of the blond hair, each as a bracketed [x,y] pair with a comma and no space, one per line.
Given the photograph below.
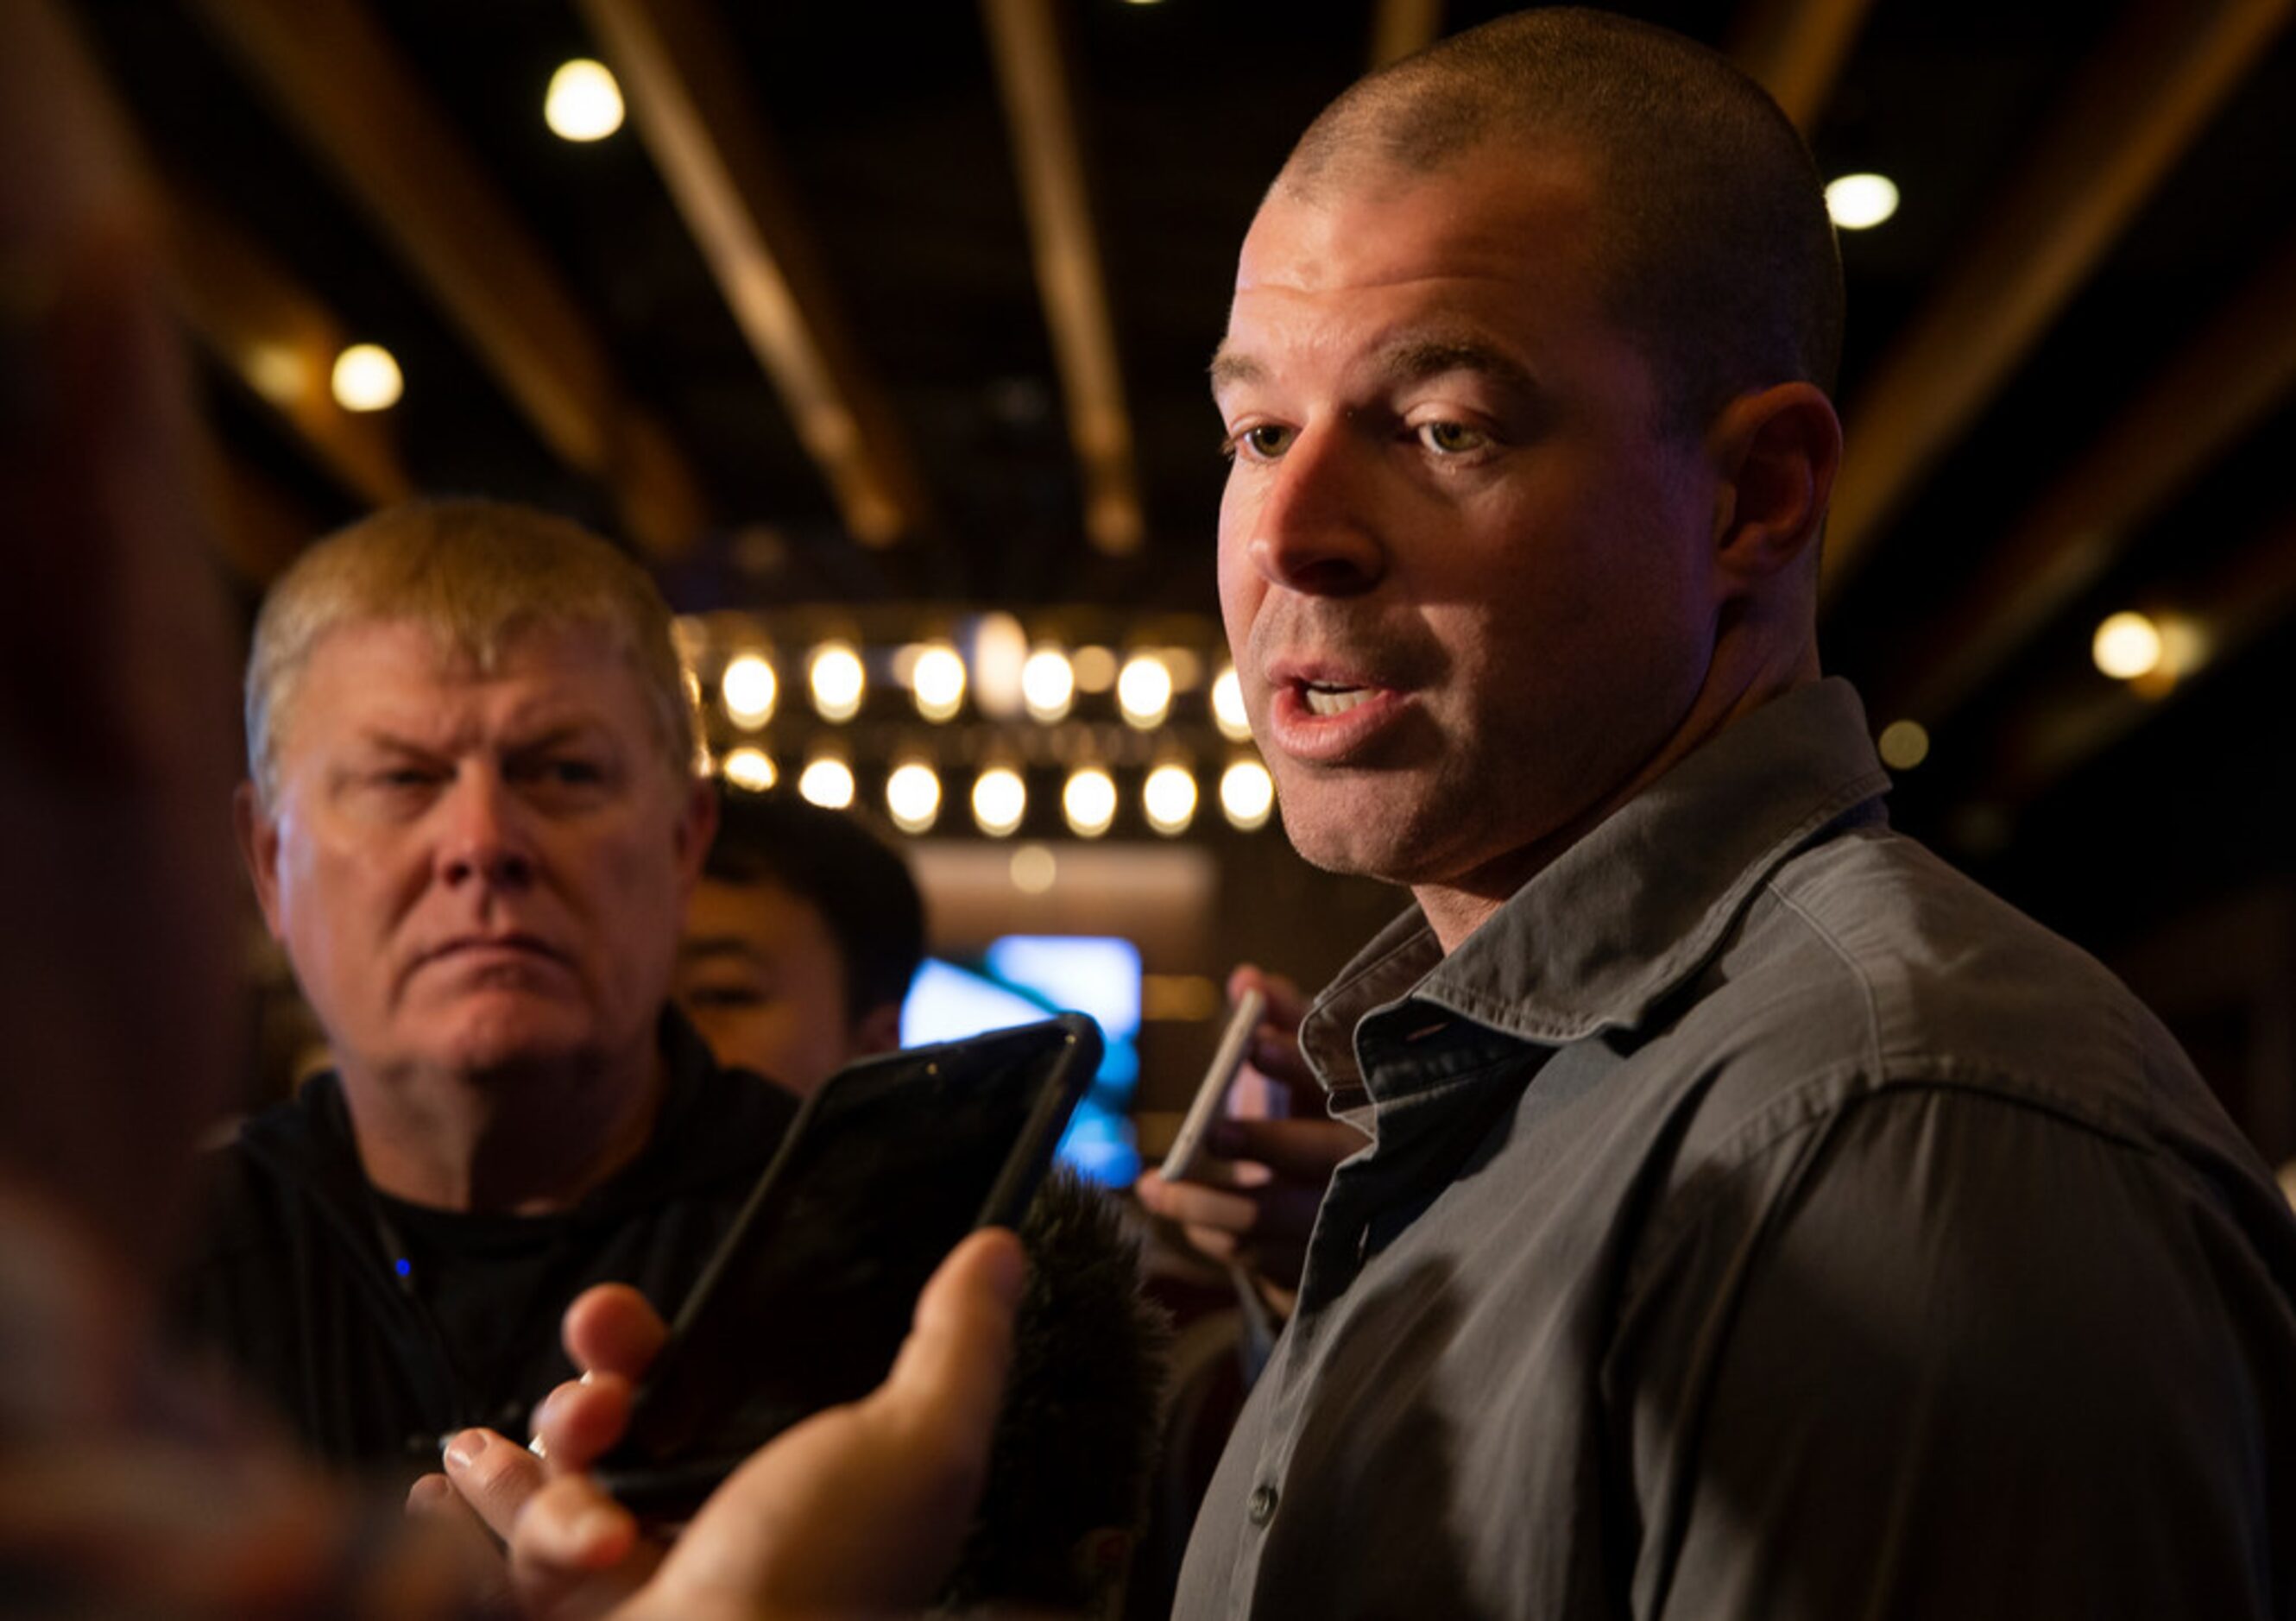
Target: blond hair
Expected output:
[477,574]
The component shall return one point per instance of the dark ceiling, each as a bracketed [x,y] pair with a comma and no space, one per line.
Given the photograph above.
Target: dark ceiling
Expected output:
[2067,387]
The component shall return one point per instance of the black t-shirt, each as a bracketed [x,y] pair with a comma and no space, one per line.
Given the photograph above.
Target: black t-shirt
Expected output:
[295,1284]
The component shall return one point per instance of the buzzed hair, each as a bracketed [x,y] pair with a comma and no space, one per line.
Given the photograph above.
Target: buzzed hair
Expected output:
[1716,249]
[476,574]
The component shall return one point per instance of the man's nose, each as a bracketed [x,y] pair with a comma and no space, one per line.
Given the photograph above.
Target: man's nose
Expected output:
[1316,528]
[484,837]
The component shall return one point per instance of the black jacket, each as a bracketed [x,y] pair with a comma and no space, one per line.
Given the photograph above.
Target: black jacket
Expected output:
[297,1279]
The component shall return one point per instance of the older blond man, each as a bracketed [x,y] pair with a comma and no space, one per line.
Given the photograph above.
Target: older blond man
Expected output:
[471,819]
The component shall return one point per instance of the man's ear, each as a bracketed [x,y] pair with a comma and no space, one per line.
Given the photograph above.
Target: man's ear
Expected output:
[879,1031]
[258,847]
[1776,453]
[697,828]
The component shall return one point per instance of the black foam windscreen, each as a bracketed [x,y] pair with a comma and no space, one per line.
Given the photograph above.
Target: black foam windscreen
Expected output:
[1068,1473]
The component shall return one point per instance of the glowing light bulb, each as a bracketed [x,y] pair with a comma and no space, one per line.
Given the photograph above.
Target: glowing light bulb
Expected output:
[838,681]
[1096,668]
[1143,690]
[750,691]
[583,102]
[1903,744]
[1033,869]
[913,797]
[1088,802]
[366,377]
[2126,646]
[1048,684]
[827,782]
[1227,706]
[1168,799]
[749,768]
[1247,794]
[1000,800]
[1859,202]
[937,682]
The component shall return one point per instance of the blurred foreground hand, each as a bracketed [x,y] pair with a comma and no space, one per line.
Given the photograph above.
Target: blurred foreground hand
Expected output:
[860,1511]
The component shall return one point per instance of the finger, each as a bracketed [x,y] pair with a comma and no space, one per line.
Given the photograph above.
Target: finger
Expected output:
[1274,1058]
[612,1329]
[1267,1227]
[861,1510]
[959,1343]
[1286,1005]
[1230,1210]
[494,1475]
[572,1526]
[581,1422]
[1296,1151]
[466,1539]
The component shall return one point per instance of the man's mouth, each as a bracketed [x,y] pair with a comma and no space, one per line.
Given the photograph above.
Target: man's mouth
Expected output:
[1332,701]
[497,947]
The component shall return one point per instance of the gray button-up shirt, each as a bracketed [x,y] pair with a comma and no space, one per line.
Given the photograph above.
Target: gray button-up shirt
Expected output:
[1762,1220]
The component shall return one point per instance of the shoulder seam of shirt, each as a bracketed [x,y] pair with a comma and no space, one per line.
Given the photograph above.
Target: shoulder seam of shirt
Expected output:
[1803,1111]
[1841,954]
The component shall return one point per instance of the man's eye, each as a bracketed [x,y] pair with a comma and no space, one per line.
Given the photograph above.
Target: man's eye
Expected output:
[561,771]
[1263,443]
[1451,438]
[722,996]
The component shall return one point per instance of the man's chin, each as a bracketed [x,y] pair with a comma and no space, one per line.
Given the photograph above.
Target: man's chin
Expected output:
[504,1042]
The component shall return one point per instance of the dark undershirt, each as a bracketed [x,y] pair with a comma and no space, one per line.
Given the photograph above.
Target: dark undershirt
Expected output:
[484,1282]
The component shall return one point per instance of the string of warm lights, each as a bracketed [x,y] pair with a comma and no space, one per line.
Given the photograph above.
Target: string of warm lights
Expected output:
[840,713]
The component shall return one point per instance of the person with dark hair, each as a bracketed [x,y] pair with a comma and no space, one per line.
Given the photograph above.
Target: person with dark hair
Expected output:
[1757,1218]
[800,940]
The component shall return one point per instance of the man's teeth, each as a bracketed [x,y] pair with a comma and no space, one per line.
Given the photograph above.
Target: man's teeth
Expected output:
[1334,701]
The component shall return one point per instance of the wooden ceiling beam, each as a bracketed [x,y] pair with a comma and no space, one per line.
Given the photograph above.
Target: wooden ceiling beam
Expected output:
[1032,77]
[1401,28]
[1795,48]
[2134,109]
[699,121]
[276,336]
[2214,391]
[345,88]
[258,528]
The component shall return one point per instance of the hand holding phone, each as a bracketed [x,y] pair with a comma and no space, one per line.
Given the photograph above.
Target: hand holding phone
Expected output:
[890,1164]
[1256,1204]
[1185,1160]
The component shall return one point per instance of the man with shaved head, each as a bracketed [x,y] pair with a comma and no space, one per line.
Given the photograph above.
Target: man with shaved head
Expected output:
[1758,1219]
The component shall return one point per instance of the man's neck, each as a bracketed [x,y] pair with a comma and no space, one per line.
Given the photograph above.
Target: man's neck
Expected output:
[529,1141]
[1457,908]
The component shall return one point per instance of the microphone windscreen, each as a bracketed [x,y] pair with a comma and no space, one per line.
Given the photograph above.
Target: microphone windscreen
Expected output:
[1069,1470]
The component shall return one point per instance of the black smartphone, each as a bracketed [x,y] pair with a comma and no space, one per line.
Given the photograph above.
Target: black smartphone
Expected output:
[890,1164]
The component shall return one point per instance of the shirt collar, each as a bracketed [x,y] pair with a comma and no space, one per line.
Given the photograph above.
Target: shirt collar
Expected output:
[1620,919]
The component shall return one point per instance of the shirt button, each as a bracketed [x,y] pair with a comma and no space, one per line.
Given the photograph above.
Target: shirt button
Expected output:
[1262,1507]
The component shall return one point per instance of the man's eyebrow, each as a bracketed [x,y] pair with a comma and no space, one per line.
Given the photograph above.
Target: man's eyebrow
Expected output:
[1229,368]
[556,734]
[1417,359]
